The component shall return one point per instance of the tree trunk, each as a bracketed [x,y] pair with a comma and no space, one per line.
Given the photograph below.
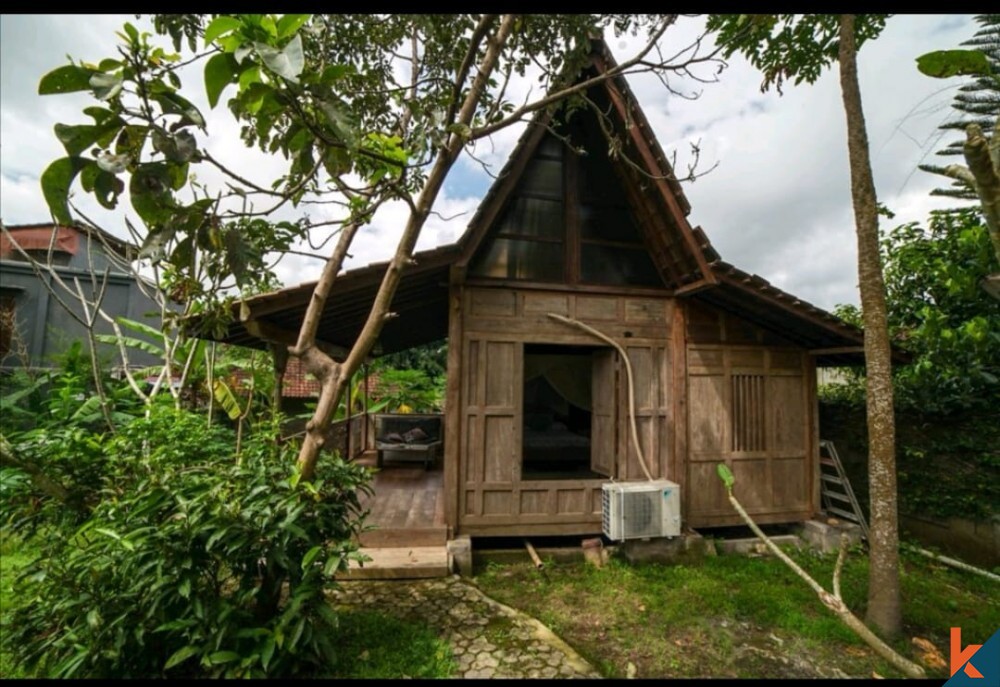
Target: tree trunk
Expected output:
[983,158]
[884,610]
[334,377]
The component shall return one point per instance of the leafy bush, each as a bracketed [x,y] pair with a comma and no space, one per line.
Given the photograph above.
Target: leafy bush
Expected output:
[939,312]
[193,563]
[409,391]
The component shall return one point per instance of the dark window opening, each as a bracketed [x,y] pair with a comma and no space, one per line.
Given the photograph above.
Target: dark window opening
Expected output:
[569,219]
[560,438]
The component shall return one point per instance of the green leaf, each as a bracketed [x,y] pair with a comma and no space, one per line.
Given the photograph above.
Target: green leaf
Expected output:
[107,188]
[130,342]
[297,633]
[332,564]
[223,657]
[267,23]
[179,147]
[220,71]
[290,23]
[133,33]
[56,181]
[942,64]
[266,652]
[726,475]
[66,79]
[310,556]
[225,397]
[287,63]
[180,656]
[341,121]
[106,86]
[250,75]
[184,588]
[221,26]
[176,104]
[149,190]
[76,139]
[142,328]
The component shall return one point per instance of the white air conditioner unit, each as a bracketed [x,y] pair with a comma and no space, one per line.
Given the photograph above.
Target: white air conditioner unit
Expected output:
[641,510]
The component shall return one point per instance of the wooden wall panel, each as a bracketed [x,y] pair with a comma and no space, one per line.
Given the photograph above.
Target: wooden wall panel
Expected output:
[535,303]
[473,456]
[645,310]
[706,493]
[501,449]
[791,483]
[496,503]
[534,501]
[571,501]
[789,415]
[496,325]
[748,406]
[708,430]
[597,308]
[493,302]
[501,387]
[753,484]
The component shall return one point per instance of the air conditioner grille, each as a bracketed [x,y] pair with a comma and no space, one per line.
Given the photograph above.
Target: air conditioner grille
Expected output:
[640,510]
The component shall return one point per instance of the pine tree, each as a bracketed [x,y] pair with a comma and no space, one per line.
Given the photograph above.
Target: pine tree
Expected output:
[977,102]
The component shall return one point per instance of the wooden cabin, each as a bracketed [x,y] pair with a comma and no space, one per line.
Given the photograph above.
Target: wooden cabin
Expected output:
[536,416]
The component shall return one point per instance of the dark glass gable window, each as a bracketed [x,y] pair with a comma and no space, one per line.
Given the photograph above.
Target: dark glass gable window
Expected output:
[528,241]
[568,220]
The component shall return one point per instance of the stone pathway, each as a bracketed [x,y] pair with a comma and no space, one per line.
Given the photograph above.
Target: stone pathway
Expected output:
[487,638]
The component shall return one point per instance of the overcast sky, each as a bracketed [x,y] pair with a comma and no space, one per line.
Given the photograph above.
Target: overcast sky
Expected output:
[777,204]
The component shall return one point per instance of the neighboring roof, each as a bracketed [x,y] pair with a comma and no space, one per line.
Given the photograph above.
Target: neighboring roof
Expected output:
[688,263]
[123,248]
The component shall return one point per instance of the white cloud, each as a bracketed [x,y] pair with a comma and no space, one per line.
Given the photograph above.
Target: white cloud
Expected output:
[778,204]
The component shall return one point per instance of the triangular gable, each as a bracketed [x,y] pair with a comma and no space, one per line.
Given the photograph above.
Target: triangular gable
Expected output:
[654,196]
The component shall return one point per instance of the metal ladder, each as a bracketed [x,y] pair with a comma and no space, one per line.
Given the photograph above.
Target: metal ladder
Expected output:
[838,497]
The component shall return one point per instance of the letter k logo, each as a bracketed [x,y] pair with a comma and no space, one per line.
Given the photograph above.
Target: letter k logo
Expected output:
[959,656]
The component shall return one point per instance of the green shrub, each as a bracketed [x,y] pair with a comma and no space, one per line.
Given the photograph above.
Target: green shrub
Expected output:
[193,563]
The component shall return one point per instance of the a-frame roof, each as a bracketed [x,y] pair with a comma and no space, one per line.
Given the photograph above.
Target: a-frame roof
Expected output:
[689,265]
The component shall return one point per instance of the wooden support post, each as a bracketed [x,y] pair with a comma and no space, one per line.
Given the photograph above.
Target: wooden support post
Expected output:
[280,353]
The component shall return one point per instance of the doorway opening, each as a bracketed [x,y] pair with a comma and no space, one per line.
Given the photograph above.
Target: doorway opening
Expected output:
[568,425]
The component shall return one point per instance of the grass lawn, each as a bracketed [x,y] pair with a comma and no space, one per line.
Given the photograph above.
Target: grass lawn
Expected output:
[735,616]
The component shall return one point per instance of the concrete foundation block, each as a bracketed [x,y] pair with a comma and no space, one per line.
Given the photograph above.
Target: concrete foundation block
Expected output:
[687,548]
[825,536]
[460,551]
[754,546]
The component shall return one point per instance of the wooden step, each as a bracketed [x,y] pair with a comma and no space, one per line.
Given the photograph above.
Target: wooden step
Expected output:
[393,537]
[403,563]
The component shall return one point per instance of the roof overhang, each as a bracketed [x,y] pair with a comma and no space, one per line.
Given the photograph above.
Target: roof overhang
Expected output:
[419,309]
[831,340]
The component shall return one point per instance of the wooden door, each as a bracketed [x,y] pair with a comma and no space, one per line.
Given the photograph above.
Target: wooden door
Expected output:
[602,420]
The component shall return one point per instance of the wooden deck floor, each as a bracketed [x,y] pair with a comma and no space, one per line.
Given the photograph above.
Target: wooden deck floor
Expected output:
[407,507]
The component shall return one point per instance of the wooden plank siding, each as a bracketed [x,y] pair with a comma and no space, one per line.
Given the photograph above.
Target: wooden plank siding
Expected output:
[710,387]
[751,404]
[496,325]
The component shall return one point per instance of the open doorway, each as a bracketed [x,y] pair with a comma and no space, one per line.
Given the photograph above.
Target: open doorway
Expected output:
[568,428]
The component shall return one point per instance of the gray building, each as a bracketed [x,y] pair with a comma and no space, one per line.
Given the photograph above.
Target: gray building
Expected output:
[34,326]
